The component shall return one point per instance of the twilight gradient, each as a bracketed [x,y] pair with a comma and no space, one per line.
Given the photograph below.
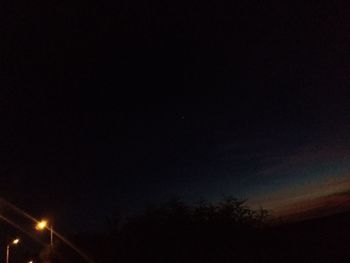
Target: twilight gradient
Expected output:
[316,182]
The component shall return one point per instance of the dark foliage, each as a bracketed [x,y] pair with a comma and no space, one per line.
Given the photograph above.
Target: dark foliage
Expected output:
[177,232]
[225,232]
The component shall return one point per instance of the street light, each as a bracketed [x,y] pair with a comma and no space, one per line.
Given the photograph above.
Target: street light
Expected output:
[13,242]
[44,224]
[41,225]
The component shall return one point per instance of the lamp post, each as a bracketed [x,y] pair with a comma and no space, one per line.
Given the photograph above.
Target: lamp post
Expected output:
[43,224]
[13,242]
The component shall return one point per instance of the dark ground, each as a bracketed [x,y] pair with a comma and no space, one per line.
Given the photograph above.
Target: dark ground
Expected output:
[158,238]
[175,232]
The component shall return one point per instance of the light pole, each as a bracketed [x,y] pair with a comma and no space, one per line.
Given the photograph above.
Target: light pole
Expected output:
[13,242]
[43,224]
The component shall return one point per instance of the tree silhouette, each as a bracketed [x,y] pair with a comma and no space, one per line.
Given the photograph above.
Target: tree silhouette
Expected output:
[227,231]
[178,232]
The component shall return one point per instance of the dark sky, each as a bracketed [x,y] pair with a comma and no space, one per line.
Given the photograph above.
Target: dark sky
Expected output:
[122,104]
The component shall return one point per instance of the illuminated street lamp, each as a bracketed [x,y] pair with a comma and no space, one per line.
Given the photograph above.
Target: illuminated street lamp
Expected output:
[44,224]
[41,225]
[13,242]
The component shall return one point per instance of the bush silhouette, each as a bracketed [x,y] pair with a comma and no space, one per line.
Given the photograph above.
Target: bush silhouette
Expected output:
[227,231]
[177,232]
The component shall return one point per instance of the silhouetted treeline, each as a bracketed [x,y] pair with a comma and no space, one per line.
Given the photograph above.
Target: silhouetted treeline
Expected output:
[176,232]
[228,231]
[179,232]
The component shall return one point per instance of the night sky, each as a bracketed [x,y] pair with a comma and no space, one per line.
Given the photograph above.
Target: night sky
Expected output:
[116,106]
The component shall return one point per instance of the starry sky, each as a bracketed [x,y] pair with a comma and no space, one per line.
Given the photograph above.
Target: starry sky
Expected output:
[113,107]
